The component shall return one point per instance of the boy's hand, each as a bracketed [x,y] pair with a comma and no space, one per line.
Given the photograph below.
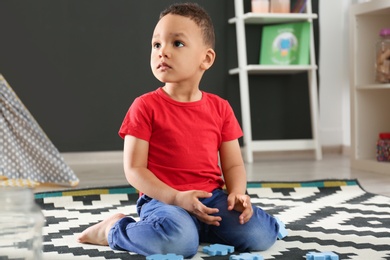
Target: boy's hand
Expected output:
[189,200]
[241,203]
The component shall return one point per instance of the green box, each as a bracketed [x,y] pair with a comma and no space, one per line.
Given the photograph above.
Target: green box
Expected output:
[285,44]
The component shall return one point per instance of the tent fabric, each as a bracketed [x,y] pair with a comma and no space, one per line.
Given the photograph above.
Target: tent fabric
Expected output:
[27,156]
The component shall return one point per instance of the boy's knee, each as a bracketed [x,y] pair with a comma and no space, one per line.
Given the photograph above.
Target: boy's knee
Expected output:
[263,244]
[259,237]
[181,238]
[255,242]
[183,247]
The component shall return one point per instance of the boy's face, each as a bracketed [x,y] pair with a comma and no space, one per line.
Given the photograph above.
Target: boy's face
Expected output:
[179,54]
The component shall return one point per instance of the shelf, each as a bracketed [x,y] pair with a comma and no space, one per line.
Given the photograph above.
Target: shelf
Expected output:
[378,7]
[273,69]
[369,100]
[269,18]
[244,69]
[373,87]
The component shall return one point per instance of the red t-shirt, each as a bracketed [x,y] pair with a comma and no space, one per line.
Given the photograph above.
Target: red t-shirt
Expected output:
[184,137]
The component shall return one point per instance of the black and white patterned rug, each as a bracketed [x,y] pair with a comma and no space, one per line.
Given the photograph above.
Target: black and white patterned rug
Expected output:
[324,215]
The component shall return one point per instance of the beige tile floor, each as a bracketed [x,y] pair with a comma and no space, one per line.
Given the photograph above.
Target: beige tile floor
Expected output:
[105,169]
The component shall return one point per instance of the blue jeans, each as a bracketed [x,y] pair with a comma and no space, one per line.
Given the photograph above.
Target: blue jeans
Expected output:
[164,229]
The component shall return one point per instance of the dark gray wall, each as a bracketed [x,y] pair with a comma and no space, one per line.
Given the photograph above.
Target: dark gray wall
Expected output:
[78,65]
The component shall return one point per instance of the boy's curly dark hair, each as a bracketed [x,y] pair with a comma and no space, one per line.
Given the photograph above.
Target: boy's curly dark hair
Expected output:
[198,15]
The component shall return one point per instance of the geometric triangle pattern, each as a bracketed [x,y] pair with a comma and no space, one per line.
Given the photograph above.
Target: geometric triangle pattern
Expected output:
[320,216]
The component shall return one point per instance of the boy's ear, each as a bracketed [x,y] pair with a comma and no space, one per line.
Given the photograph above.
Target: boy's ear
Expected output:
[208,59]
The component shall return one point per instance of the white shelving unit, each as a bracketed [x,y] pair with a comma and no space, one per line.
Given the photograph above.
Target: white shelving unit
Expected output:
[244,70]
[370,101]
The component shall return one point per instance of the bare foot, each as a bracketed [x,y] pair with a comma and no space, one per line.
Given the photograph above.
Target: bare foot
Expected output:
[98,233]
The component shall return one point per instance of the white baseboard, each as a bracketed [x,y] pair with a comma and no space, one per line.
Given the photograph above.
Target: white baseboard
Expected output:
[108,157]
[99,157]
[326,150]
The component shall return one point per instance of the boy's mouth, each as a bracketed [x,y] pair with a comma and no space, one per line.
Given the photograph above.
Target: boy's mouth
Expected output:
[163,66]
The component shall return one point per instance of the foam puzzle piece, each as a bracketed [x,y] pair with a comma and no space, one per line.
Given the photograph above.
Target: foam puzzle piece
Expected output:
[322,256]
[246,256]
[282,229]
[165,257]
[218,249]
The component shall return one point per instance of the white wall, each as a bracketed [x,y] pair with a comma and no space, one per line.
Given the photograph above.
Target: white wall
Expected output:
[334,104]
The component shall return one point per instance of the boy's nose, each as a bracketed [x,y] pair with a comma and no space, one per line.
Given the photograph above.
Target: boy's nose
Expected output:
[163,52]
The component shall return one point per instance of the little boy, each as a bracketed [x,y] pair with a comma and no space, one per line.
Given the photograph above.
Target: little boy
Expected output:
[174,139]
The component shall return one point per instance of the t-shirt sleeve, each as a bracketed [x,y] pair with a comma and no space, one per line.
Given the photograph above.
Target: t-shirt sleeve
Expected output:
[231,128]
[137,121]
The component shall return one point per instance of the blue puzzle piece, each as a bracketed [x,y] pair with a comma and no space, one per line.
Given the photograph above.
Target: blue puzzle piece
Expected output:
[218,249]
[282,229]
[322,256]
[246,256]
[165,257]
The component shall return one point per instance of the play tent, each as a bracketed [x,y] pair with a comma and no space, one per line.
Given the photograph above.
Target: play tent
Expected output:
[27,156]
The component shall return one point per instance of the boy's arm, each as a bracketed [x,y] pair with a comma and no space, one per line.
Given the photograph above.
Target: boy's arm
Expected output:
[233,167]
[135,160]
[234,174]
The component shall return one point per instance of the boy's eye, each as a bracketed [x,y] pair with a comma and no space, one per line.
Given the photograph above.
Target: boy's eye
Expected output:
[156,45]
[178,44]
